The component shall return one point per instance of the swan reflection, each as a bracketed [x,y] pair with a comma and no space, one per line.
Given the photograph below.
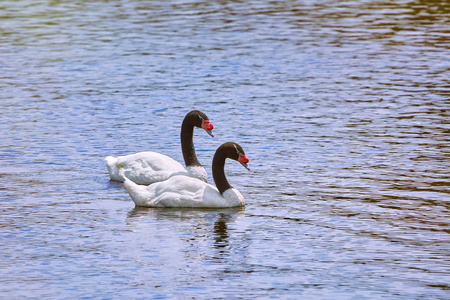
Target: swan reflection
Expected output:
[200,234]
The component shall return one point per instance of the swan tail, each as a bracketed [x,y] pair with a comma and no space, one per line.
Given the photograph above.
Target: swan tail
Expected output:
[110,161]
[113,170]
[138,193]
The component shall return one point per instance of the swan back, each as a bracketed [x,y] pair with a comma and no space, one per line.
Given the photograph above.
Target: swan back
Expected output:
[144,167]
[197,172]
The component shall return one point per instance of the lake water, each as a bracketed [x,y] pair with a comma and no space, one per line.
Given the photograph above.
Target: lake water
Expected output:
[343,108]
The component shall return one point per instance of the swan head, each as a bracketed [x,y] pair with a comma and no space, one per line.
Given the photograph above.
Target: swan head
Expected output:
[201,120]
[234,151]
[242,159]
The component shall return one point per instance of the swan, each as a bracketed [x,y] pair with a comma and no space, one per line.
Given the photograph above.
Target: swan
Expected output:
[184,191]
[149,167]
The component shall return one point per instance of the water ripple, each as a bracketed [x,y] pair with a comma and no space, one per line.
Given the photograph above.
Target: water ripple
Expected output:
[342,108]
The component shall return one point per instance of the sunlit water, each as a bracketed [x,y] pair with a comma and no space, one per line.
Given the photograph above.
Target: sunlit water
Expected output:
[342,107]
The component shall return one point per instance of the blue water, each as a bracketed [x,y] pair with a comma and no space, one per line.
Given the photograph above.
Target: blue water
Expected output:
[342,108]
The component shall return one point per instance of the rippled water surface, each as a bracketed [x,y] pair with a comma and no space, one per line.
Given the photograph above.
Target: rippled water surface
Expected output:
[343,108]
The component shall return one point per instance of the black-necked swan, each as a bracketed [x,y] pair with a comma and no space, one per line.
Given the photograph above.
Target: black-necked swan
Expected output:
[149,167]
[184,191]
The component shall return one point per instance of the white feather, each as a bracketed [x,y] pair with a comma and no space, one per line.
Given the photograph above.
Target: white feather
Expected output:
[183,191]
[143,167]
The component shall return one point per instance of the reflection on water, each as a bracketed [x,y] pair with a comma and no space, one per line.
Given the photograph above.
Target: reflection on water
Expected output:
[191,241]
[221,232]
[342,108]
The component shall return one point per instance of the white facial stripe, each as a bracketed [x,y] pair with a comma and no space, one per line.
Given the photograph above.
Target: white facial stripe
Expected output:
[237,150]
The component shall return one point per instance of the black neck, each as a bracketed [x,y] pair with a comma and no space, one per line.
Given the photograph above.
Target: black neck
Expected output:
[187,144]
[218,164]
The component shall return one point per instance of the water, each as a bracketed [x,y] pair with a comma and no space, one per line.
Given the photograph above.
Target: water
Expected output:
[342,107]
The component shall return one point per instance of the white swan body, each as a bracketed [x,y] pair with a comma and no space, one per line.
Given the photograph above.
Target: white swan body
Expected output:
[149,167]
[146,167]
[183,191]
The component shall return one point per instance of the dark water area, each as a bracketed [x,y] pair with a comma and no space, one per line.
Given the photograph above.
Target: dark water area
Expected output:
[343,108]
